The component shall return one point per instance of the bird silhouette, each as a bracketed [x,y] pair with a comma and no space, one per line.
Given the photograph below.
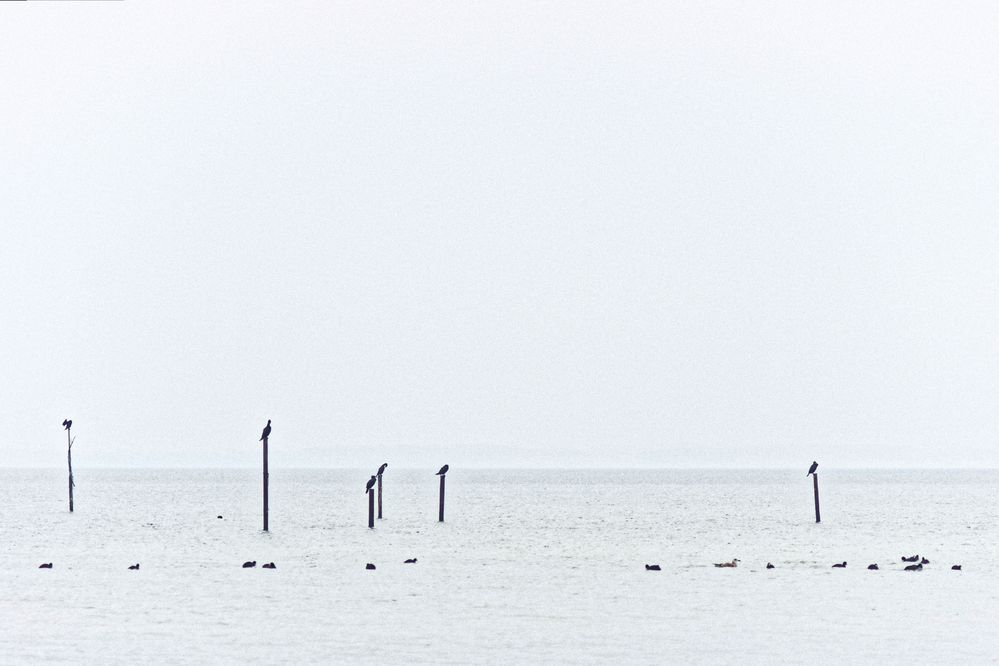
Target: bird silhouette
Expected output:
[411,560]
[270,565]
[371,483]
[653,567]
[839,566]
[914,567]
[67,424]
[811,470]
[442,471]
[267,431]
[250,564]
[134,567]
[381,469]
[872,567]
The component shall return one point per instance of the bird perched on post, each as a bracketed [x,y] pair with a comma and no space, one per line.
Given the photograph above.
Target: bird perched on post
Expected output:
[381,470]
[67,424]
[371,483]
[811,470]
[442,471]
[267,431]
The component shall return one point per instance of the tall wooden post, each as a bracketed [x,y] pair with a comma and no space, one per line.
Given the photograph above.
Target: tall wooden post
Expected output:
[815,483]
[371,507]
[69,460]
[266,483]
[440,517]
[379,497]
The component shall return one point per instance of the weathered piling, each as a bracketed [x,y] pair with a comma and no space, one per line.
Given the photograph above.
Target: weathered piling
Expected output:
[815,484]
[381,470]
[440,515]
[267,477]
[371,507]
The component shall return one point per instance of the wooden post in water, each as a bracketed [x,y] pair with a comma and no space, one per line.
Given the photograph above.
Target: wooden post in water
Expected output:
[371,508]
[815,483]
[69,460]
[266,483]
[381,470]
[440,517]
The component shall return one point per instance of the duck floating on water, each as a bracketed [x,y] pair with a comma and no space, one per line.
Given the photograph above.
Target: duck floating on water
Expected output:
[134,567]
[914,567]
[770,566]
[872,567]
[250,564]
[914,558]
[841,565]
[47,565]
[956,567]
[369,566]
[653,567]
[924,561]
[270,565]
[411,560]
[728,565]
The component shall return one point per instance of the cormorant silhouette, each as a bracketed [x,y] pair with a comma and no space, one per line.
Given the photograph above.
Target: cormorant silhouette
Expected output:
[67,423]
[811,470]
[267,431]
[381,469]
[411,560]
[371,483]
[839,566]
[442,471]
[47,565]
[134,567]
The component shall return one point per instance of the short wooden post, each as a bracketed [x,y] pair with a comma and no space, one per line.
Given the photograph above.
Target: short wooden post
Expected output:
[371,508]
[266,483]
[379,497]
[440,517]
[815,483]
[69,460]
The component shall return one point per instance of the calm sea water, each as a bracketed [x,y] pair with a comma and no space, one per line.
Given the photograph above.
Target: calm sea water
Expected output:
[530,567]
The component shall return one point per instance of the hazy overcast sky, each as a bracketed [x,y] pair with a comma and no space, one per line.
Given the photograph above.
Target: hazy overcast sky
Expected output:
[500,233]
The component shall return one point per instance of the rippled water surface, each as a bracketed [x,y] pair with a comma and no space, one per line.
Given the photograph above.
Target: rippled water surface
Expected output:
[530,566]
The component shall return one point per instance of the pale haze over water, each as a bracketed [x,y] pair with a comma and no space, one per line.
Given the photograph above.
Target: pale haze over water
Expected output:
[500,234]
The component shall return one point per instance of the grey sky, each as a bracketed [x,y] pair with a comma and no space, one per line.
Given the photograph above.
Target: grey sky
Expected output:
[500,234]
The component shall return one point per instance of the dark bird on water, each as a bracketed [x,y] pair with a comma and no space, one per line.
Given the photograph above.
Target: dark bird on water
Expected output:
[842,565]
[381,469]
[371,483]
[653,567]
[872,567]
[267,431]
[220,517]
[811,470]
[67,424]
[369,566]
[47,565]
[134,567]
[924,561]
[914,558]
[914,567]
[249,565]
[442,471]
[770,566]
[956,567]
[270,565]
[411,560]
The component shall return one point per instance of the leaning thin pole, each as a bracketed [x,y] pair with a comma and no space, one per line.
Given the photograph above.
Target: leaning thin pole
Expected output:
[69,461]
